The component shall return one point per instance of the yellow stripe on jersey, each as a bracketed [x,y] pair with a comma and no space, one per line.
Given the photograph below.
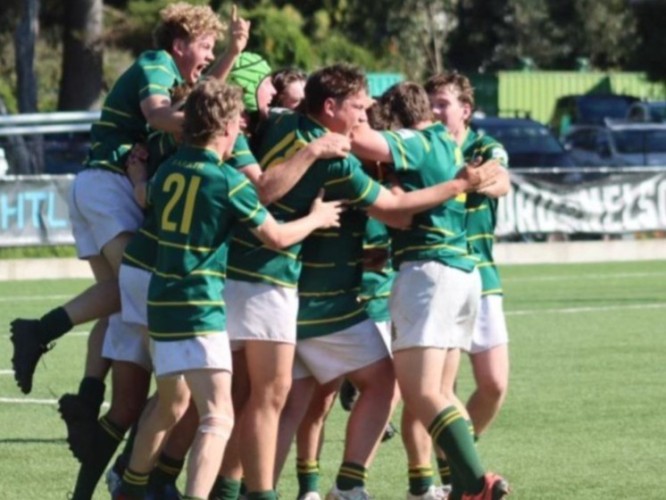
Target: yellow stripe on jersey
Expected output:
[293,149]
[208,272]
[436,230]
[149,234]
[319,265]
[270,279]
[284,207]
[160,335]
[492,291]
[254,212]
[367,246]
[167,275]
[161,68]
[106,124]
[486,264]
[331,320]
[376,296]
[139,263]
[461,251]
[244,243]
[479,208]
[483,236]
[401,149]
[459,156]
[169,303]
[426,145]
[154,86]
[326,234]
[462,197]
[338,180]
[277,148]
[365,192]
[238,188]
[117,112]
[332,293]
[185,247]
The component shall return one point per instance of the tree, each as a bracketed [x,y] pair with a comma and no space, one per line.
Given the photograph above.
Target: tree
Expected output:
[82,55]
[650,21]
[25,38]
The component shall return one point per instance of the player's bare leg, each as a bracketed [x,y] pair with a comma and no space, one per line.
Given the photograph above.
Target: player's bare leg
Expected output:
[491,374]
[371,412]
[211,392]
[269,369]
[230,475]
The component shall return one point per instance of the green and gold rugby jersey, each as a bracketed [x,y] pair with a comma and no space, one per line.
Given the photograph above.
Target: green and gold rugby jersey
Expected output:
[423,158]
[249,259]
[122,123]
[330,280]
[197,199]
[142,248]
[376,285]
[482,211]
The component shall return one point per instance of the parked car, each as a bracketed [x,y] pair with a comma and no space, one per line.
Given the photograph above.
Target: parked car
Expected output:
[619,144]
[647,111]
[528,142]
[572,111]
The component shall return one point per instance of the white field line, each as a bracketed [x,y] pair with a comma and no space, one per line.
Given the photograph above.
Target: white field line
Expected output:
[79,332]
[557,277]
[30,298]
[564,277]
[29,401]
[6,372]
[576,310]
[35,401]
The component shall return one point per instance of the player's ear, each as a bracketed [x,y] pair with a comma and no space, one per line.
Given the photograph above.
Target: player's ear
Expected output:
[330,106]
[178,46]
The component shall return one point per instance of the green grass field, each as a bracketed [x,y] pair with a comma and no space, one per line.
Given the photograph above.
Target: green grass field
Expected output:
[583,420]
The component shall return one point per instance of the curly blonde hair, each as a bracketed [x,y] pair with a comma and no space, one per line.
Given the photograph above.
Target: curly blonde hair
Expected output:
[183,20]
[209,108]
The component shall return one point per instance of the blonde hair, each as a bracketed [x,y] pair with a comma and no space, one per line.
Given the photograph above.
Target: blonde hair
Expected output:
[209,108]
[183,20]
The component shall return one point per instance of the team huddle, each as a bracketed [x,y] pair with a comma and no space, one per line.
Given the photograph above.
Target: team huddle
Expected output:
[260,239]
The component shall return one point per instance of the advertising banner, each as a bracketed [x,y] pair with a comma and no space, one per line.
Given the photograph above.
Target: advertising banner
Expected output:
[609,204]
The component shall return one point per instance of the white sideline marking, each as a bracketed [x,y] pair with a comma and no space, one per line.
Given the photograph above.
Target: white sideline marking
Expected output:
[34,401]
[558,277]
[573,310]
[563,277]
[73,333]
[24,298]
[6,372]
[29,401]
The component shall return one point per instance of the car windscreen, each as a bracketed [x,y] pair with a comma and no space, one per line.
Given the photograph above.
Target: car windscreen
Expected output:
[525,139]
[658,112]
[640,141]
[595,110]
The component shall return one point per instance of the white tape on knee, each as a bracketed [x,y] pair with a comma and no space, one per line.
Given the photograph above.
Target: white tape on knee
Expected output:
[220,425]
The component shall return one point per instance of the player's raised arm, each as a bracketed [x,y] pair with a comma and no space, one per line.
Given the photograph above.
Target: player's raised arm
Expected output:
[238,34]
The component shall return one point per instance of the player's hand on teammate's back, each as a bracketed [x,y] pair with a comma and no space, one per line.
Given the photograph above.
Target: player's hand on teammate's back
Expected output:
[331,145]
[481,176]
[326,212]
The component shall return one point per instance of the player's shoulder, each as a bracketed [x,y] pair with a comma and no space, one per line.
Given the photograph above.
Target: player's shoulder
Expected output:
[486,146]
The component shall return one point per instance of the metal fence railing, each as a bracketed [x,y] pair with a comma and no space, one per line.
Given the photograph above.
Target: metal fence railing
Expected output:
[35,143]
